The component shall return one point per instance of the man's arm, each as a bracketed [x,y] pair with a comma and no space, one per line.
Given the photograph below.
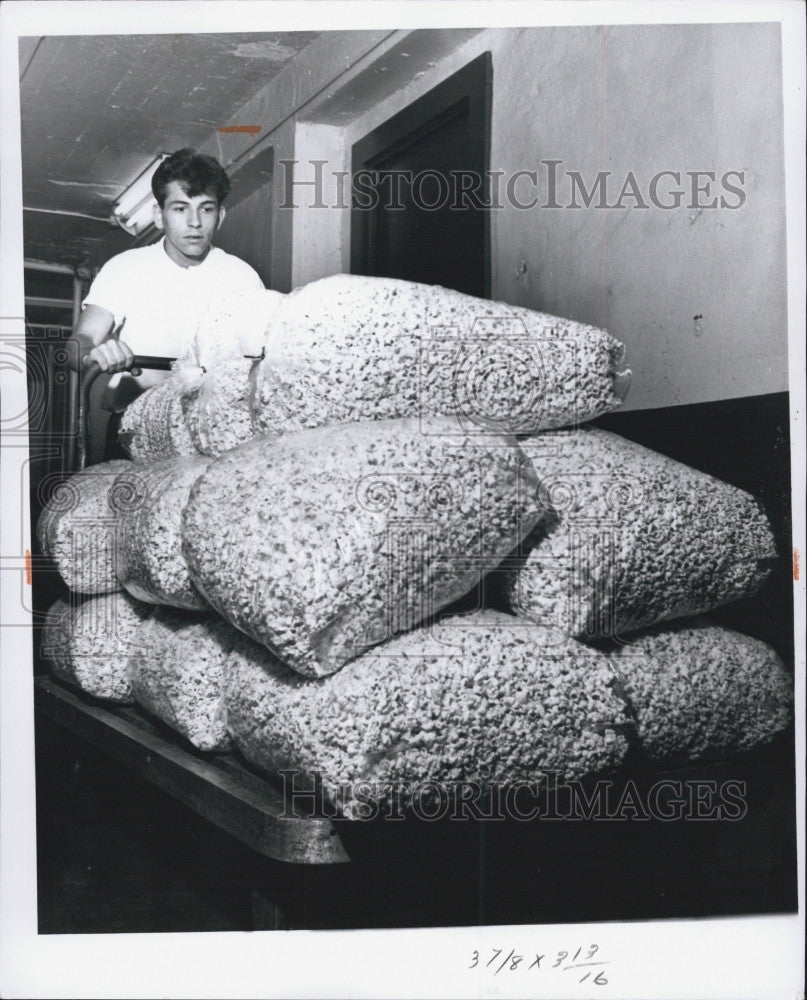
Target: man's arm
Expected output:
[97,339]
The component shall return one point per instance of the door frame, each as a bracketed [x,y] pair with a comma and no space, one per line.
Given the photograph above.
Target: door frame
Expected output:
[470,86]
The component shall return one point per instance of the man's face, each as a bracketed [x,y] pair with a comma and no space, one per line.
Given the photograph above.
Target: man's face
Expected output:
[188,224]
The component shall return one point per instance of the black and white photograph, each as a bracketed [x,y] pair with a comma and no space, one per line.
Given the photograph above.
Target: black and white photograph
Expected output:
[403,465]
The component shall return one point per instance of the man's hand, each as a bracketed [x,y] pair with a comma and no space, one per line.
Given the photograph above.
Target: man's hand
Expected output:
[99,340]
[111,356]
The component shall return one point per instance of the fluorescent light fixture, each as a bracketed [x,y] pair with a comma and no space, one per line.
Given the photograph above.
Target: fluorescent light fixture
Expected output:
[134,209]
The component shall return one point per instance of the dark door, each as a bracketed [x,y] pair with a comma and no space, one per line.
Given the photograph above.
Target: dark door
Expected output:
[420,188]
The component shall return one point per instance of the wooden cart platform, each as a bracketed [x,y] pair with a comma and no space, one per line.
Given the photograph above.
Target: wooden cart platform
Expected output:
[216,786]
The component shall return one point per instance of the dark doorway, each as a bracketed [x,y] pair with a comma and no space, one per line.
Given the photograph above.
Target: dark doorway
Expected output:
[420,188]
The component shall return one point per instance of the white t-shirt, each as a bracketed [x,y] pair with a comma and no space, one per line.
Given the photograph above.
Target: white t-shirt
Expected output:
[161,301]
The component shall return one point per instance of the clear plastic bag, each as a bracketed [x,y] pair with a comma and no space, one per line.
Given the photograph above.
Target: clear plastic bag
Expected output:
[216,384]
[216,405]
[322,543]
[632,538]
[179,675]
[700,692]
[476,699]
[153,427]
[89,642]
[151,565]
[351,347]
[77,529]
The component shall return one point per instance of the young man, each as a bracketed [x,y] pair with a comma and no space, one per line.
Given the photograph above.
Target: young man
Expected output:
[149,300]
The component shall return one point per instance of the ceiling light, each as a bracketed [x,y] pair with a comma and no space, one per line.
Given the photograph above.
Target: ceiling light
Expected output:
[134,209]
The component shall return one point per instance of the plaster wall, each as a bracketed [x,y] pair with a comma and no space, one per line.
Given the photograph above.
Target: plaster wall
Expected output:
[697,293]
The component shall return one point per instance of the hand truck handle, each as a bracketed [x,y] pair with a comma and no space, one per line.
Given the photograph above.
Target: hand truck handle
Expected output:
[89,373]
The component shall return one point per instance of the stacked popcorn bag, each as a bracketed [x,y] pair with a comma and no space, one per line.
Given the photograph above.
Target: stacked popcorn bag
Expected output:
[328,471]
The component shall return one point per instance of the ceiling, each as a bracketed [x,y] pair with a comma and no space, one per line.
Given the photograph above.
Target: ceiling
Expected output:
[97,109]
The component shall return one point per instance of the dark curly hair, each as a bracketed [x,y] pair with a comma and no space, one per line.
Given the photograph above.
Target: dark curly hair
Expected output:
[196,173]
